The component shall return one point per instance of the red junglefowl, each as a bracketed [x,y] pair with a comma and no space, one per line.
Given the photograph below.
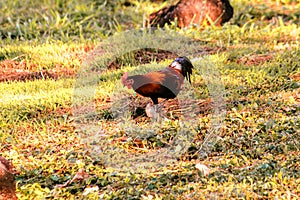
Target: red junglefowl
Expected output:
[193,12]
[164,84]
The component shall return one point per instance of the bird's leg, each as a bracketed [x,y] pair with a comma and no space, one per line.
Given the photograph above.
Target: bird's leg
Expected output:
[154,111]
[157,112]
[151,110]
[155,108]
[159,106]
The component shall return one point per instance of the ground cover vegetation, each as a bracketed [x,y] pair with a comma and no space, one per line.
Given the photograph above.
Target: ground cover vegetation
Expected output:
[43,45]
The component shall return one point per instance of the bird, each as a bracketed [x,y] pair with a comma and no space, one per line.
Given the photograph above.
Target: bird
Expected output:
[192,12]
[165,83]
[7,180]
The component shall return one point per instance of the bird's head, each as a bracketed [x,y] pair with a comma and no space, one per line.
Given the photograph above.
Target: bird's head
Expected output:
[125,81]
[184,65]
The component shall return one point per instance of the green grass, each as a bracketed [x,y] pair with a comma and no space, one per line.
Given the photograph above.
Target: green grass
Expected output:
[257,156]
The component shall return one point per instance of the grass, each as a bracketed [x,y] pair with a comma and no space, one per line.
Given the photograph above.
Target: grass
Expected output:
[257,56]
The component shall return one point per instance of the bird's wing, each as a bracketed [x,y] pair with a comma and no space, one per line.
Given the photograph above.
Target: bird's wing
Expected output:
[165,83]
[173,79]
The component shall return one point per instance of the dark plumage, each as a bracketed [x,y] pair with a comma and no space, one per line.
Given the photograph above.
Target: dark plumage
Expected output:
[164,84]
[193,11]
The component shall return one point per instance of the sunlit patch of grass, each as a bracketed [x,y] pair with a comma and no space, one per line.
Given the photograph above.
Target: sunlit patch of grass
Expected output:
[38,101]
[46,56]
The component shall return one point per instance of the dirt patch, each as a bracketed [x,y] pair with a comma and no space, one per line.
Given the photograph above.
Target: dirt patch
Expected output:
[18,71]
[254,59]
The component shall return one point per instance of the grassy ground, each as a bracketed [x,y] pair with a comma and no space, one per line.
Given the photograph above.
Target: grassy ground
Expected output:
[43,44]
